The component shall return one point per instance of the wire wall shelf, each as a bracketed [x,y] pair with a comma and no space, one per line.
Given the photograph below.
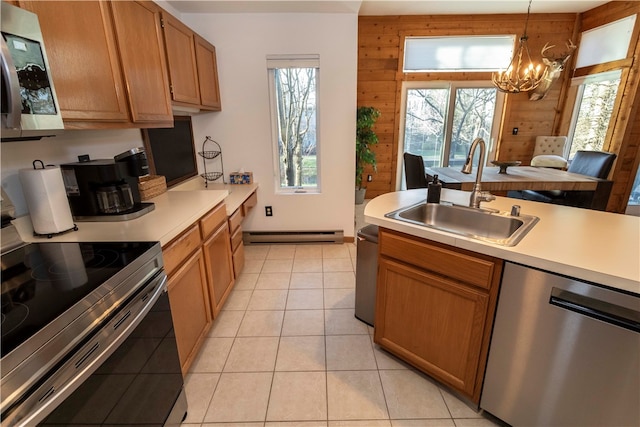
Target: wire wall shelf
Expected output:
[210,155]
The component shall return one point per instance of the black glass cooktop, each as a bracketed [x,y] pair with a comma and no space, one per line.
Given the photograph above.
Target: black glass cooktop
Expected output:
[42,280]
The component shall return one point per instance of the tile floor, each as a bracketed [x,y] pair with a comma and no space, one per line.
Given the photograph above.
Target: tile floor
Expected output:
[287,351]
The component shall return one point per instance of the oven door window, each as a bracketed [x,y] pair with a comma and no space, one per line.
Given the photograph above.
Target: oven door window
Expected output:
[137,385]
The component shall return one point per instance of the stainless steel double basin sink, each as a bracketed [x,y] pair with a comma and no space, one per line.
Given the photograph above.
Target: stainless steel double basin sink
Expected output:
[489,225]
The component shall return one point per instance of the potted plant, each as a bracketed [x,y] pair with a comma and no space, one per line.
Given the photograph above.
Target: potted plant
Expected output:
[365,138]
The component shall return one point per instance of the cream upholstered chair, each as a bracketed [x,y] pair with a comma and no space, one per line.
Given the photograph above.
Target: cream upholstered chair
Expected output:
[549,152]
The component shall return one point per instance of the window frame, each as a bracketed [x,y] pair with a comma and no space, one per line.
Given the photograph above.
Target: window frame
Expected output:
[452,85]
[577,84]
[275,62]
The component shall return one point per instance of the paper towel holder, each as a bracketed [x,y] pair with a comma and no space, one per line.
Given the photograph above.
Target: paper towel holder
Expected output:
[49,235]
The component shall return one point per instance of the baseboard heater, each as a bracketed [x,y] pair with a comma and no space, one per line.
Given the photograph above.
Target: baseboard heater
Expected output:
[326,236]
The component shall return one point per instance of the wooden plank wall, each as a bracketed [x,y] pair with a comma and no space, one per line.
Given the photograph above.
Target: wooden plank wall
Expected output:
[380,77]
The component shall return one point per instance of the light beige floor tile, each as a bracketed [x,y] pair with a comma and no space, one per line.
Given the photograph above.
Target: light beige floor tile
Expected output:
[307,265]
[303,322]
[457,407]
[295,424]
[298,396]
[238,300]
[229,425]
[339,298]
[436,422]
[306,281]
[339,279]
[246,281]
[212,356]
[253,265]
[277,266]
[240,397]
[336,264]
[226,324]
[335,251]
[343,322]
[256,251]
[268,300]
[349,352]
[355,395]
[301,354]
[386,360]
[281,252]
[475,422]
[309,251]
[371,330]
[305,299]
[360,423]
[411,395]
[261,324]
[273,281]
[254,354]
[199,390]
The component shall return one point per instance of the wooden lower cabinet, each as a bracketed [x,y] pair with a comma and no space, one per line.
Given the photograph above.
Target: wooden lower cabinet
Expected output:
[439,324]
[217,252]
[188,296]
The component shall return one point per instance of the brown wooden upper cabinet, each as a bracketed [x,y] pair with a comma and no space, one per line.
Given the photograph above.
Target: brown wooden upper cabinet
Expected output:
[192,66]
[107,61]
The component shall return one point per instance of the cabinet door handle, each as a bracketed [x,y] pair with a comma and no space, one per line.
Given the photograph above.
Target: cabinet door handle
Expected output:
[605,311]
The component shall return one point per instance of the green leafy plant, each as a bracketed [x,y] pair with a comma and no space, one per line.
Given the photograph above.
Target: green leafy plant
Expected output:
[365,138]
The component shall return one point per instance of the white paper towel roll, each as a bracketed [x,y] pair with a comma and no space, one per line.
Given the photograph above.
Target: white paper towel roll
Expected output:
[47,200]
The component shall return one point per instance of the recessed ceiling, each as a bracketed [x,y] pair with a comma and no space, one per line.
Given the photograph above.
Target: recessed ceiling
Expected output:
[385,7]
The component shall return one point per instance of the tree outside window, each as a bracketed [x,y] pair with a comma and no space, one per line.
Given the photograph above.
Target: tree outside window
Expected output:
[294,112]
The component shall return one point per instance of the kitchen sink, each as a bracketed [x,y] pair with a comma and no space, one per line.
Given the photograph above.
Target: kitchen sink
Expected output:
[488,225]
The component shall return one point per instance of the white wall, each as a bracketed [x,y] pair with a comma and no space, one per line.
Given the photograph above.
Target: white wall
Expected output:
[243,127]
[65,148]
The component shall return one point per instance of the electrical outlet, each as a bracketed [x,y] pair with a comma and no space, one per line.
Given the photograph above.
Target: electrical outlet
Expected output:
[369,178]
[268,211]
[514,131]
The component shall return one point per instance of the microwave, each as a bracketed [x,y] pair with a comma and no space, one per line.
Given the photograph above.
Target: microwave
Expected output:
[30,107]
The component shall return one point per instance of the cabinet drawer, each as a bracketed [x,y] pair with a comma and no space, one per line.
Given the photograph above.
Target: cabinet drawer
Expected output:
[178,250]
[212,220]
[236,239]
[249,203]
[466,266]
[235,220]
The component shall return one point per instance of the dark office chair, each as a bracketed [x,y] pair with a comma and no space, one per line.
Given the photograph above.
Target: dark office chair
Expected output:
[414,171]
[596,164]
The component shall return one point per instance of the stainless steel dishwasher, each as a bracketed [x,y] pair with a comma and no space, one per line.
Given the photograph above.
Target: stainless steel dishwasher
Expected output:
[366,273]
[563,353]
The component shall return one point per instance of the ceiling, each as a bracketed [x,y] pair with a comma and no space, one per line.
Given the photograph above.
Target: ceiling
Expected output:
[385,7]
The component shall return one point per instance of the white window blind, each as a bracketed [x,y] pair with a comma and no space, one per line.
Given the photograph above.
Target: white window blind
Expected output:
[293,61]
[606,43]
[458,53]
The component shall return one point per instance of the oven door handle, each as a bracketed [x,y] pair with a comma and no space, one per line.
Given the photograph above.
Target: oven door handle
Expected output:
[601,310]
[87,359]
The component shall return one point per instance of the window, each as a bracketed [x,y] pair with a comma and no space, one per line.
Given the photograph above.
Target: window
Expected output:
[457,53]
[596,96]
[293,84]
[442,120]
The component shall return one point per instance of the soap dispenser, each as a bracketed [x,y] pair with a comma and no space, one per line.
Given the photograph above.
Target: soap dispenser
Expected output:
[433,190]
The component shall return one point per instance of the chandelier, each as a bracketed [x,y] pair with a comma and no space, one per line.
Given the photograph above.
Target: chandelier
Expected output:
[521,75]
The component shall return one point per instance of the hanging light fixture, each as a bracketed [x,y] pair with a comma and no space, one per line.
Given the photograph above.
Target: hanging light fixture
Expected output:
[521,75]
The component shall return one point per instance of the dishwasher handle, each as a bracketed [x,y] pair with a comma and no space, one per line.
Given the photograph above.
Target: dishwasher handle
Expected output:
[601,310]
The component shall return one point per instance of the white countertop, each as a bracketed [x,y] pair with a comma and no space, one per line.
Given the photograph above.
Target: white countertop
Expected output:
[175,210]
[596,246]
[238,193]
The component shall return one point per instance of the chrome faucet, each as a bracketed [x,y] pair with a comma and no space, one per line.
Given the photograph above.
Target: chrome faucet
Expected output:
[477,195]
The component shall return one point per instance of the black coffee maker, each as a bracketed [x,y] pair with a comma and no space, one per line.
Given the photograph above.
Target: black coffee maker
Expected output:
[106,189]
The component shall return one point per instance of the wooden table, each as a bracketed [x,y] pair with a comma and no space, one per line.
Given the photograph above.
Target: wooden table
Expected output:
[516,178]
[520,178]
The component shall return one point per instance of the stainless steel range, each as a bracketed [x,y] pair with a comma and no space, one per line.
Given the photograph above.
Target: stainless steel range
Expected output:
[87,336]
